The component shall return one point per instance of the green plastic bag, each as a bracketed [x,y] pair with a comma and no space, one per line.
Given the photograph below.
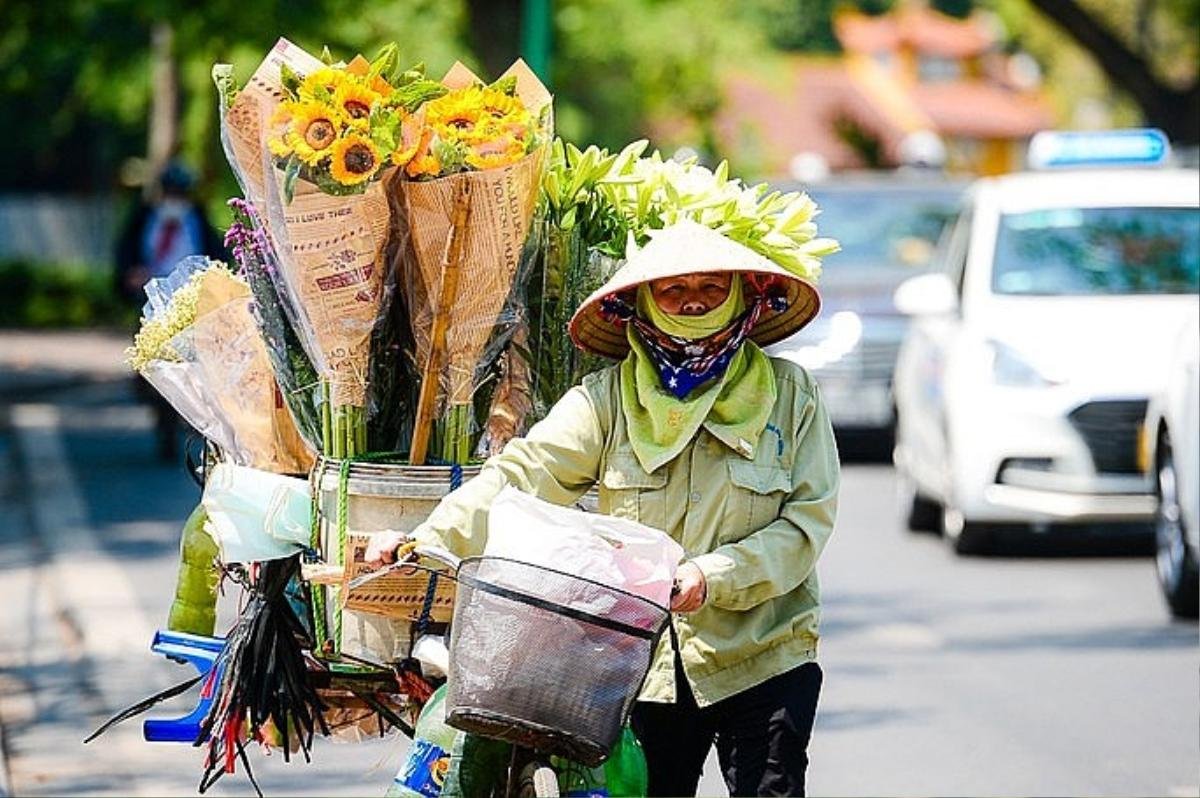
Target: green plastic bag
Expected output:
[625,772]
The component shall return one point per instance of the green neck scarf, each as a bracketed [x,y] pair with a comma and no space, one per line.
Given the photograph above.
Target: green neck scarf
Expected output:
[734,408]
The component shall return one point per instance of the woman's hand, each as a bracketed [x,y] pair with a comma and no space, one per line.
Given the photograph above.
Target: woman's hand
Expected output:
[690,588]
[387,547]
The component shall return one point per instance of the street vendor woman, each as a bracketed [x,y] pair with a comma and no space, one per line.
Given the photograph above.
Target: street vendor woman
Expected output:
[697,432]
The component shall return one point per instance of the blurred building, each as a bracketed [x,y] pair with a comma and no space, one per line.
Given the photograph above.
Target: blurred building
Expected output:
[912,87]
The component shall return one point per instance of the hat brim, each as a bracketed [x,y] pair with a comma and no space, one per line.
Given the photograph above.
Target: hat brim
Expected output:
[593,332]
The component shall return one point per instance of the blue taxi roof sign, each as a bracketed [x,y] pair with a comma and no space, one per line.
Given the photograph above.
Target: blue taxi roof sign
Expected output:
[1056,149]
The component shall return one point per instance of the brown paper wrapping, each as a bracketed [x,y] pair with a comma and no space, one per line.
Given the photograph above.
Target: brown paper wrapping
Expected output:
[254,104]
[231,354]
[502,202]
[332,245]
[336,269]
[398,594]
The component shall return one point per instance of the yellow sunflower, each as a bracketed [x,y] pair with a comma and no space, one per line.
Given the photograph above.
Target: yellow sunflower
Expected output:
[494,154]
[455,113]
[328,78]
[355,159]
[280,143]
[503,106]
[354,101]
[312,130]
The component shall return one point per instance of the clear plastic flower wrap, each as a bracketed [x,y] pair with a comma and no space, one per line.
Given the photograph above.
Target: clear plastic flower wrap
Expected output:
[298,380]
[201,349]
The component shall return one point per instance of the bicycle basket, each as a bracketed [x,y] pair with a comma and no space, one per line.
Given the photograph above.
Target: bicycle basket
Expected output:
[545,659]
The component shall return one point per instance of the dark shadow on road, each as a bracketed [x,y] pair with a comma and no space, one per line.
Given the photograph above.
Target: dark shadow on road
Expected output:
[847,613]
[843,719]
[1167,636]
[1070,540]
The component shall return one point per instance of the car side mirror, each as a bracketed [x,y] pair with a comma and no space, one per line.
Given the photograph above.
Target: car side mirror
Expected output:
[926,295]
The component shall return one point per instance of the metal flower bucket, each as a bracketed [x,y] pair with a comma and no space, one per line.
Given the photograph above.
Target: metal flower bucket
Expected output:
[375,623]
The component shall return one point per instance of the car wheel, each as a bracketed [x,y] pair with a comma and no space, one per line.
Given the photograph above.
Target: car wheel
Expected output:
[920,513]
[965,537]
[1177,568]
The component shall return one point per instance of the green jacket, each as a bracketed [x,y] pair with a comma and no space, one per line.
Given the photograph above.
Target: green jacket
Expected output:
[754,520]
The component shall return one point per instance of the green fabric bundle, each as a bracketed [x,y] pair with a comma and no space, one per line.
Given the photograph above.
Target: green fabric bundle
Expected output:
[194,609]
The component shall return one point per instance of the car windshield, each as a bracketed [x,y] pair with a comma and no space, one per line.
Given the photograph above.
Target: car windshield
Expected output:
[1082,251]
[887,227]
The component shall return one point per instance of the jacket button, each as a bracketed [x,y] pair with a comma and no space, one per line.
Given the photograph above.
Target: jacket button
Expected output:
[695,497]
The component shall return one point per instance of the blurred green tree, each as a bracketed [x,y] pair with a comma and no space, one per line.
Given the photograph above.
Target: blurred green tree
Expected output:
[807,25]
[76,75]
[624,68]
[1146,48]
[959,9]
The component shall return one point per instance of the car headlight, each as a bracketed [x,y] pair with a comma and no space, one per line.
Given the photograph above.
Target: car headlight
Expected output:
[1011,369]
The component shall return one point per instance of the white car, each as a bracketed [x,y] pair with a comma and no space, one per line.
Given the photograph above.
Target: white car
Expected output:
[1022,385]
[1171,453]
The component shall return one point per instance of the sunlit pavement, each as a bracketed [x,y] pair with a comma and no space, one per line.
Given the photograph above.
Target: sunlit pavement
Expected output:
[1002,675]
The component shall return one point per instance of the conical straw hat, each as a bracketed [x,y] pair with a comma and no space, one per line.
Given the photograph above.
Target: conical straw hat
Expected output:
[688,248]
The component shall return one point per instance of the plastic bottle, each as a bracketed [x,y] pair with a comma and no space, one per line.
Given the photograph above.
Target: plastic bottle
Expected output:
[625,769]
[424,772]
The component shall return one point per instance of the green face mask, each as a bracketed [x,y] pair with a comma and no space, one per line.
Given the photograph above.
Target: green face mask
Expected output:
[692,327]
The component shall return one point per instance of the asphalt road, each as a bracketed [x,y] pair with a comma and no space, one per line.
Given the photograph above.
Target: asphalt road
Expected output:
[1030,675]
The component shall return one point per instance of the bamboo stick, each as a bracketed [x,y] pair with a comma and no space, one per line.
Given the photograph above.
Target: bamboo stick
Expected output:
[447,294]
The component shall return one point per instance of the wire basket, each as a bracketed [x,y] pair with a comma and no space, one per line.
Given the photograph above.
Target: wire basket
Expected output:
[545,659]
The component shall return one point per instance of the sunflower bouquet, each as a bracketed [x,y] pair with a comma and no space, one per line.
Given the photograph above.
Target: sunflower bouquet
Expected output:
[343,126]
[474,127]
[465,205]
[312,141]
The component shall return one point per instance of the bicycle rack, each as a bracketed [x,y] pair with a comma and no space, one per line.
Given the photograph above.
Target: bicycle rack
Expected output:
[202,652]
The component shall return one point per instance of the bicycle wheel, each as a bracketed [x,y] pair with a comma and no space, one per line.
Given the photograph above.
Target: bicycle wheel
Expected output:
[538,780]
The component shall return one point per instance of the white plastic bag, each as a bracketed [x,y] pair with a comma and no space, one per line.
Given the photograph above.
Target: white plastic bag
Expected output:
[613,551]
[256,515]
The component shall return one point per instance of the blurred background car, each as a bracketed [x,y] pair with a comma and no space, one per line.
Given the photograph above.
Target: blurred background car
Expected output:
[1023,383]
[1171,454]
[888,226]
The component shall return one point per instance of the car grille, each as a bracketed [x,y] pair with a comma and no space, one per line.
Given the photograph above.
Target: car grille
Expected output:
[1110,430]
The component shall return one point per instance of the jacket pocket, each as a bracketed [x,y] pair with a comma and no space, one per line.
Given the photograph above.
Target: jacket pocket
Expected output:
[626,488]
[757,494]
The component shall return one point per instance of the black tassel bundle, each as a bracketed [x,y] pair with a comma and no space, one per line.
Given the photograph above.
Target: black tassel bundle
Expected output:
[264,693]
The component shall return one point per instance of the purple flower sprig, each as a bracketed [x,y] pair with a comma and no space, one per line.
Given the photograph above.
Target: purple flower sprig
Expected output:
[246,238]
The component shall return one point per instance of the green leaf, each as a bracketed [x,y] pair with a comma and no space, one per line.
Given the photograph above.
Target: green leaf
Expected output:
[291,171]
[507,85]
[415,94]
[290,80]
[386,62]
[227,87]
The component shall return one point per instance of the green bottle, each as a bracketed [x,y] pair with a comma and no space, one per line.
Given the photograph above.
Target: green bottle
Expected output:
[625,769]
